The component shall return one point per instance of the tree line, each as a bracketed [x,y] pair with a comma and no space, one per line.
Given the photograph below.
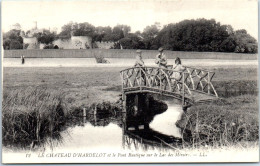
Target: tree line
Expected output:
[187,35]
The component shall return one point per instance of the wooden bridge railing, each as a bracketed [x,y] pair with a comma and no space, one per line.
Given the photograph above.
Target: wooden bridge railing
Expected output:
[157,79]
[200,80]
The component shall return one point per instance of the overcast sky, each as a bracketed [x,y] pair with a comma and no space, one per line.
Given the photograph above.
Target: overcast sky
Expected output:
[241,14]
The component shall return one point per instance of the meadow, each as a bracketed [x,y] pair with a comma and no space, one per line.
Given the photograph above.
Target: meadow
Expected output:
[37,99]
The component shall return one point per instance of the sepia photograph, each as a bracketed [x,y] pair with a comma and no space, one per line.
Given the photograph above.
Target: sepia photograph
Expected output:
[142,81]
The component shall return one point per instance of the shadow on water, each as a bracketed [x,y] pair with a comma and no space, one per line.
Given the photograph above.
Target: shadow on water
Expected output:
[132,125]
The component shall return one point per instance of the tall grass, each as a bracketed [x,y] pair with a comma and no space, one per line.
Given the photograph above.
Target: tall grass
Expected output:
[31,115]
[222,122]
[236,88]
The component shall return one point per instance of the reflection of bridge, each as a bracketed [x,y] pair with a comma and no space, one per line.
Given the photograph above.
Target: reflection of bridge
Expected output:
[191,85]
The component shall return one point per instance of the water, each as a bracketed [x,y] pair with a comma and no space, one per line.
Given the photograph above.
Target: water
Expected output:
[117,62]
[105,134]
[93,139]
[165,122]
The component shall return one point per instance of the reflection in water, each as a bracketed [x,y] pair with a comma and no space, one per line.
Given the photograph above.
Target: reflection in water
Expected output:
[156,131]
[150,130]
[149,139]
[165,122]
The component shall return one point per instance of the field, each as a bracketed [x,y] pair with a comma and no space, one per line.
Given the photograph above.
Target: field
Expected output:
[66,89]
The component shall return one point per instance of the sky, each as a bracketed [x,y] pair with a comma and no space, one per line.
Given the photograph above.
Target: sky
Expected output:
[240,14]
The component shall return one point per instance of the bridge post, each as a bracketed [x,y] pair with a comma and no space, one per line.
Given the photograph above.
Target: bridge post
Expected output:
[208,83]
[124,102]
[183,92]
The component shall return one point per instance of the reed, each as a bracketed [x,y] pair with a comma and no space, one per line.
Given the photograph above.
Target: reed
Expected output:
[31,115]
[221,123]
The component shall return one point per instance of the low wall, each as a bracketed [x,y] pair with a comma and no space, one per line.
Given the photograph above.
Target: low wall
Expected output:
[117,53]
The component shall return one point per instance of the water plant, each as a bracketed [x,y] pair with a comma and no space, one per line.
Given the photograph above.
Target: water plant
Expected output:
[30,115]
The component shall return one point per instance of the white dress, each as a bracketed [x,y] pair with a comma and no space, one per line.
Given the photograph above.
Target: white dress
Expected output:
[178,68]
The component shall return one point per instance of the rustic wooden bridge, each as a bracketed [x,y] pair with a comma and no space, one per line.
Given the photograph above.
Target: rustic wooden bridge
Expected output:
[190,86]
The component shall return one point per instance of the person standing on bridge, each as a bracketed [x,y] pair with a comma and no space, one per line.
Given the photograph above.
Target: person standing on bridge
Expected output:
[161,59]
[140,63]
[178,68]
[139,60]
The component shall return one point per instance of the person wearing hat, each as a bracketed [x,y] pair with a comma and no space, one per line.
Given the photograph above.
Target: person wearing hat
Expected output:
[161,59]
[140,63]
[139,60]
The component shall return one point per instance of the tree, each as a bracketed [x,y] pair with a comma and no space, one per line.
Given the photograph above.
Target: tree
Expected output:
[101,32]
[193,35]
[244,42]
[118,32]
[83,29]
[66,30]
[149,34]
[12,40]
[132,41]
[46,37]
[14,44]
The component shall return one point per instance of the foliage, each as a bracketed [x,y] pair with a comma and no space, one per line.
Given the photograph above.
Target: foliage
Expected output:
[83,29]
[188,35]
[149,34]
[66,30]
[244,42]
[45,37]
[101,32]
[132,41]
[50,46]
[12,40]
[204,35]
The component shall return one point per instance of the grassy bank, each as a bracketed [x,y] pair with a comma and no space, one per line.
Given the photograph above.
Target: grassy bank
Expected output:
[232,119]
[221,123]
[34,97]
[31,115]
[34,114]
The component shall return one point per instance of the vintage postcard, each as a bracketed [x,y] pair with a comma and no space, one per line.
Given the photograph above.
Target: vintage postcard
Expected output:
[142,81]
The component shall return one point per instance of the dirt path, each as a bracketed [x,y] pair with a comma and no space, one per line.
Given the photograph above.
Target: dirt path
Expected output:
[116,62]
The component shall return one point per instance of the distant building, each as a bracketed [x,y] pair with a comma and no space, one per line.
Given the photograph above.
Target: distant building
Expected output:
[75,42]
[30,43]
